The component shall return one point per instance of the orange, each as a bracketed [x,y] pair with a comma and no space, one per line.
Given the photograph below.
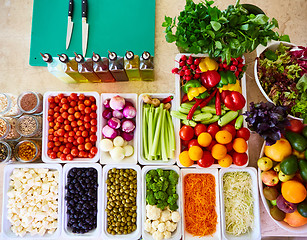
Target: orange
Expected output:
[185,160]
[226,161]
[195,153]
[223,137]
[239,145]
[279,150]
[204,139]
[295,219]
[219,151]
[293,191]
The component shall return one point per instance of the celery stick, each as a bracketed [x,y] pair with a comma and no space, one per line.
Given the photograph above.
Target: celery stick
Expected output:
[156,116]
[157,132]
[171,131]
[166,134]
[150,133]
[145,132]
[163,140]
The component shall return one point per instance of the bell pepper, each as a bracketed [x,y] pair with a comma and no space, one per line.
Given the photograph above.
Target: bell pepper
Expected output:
[233,100]
[195,92]
[191,84]
[227,77]
[232,87]
[210,79]
[208,64]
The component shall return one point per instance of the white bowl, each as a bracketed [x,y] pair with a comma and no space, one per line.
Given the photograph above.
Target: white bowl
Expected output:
[272,46]
[255,233]
[95,233]
[105,157]
[176,235]
[282,224]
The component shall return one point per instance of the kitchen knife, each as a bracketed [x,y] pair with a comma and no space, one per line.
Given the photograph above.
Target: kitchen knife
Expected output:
[84,27]
[70,24]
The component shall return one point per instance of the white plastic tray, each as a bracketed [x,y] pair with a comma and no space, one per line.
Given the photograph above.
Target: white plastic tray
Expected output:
[214,172]
[282,224]
[179,95]
[142,160]
[255,233]
[105,157]
[176,235]
[6,225]
[45,157]
[137,233]
[95,233]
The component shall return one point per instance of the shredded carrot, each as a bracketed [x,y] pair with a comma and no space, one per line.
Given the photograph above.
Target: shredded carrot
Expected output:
[199,206]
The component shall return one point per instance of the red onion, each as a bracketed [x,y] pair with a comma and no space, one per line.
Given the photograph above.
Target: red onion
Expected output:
[107,113]
[117,102]
[128,125]
[129,112]
[127,136]
[114,123]
[109,132]
[106,103]
[118,114]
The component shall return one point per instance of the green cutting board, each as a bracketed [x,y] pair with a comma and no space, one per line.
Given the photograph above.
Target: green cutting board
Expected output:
[114,25]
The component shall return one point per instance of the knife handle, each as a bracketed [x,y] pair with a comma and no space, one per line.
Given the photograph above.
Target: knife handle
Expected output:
[70,8]
[84,8]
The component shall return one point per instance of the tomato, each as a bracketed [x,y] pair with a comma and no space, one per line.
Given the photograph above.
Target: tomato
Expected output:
[193,142]
[77,115]
[88,146]
[94,150]
[93,115]
[206,160]
[93,138]
[87,110]
[230,128]
[74,96]
[87,119]
[199,128]
[94,122]
[213,142]
[229,146]
[80,140]
[186,133]
[63,157]
[50,99]
[239,159]
[69,157]
[50,144]
[94,107]
[295,126]
[213,129]
[93,129]
[243,133]
[87,103]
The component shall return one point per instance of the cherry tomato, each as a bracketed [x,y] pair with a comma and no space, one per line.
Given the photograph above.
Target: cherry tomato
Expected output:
[88,146]
[213,142]
[77,114]
[90,155]
[84,134]
[69,157]
[93,115]
[93,129]
[213,129]
[295,126]
[60,119]
[61,148]
[50,118]
[93,138]
[73,103]
[79,133]
[199,128]
[66,150]
[61,132]
[87,110]
[243,133]
[60,96]
[64,115]
[81,147]
[92,99]
[229,146]
[80,140]
[87,103]
[65,106]
[52,155]
[63,157]
[61,139]
[94,122]
[81,96]
[50,111]
[80,123]
[64,100]
[94,107]
[74,124]
[239,159]
[73,96]
[230,128]
[193,142]
[74,152]
[87,119]
[51,99]
[56,100]
[50,144]
[186,133]
[94,150]
[206,160]
[56,115]
[71,111]
[87,125]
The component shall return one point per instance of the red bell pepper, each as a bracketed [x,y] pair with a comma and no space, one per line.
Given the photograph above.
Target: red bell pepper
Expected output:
[234,100]
[210,79]
[218,106]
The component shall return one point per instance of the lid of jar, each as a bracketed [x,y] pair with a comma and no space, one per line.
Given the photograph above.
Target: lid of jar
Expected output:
[63,58]
[129,55]
[112,56]
[96,57]
[146,55]
[79,58]
[47,57]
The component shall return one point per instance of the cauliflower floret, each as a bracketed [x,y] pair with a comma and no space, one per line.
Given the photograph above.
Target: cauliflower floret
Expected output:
[170,226]
[158,235]
[147,226]
[165,216]
[167,235]
[161,227]
[155,224]
[175,216]
[152,212]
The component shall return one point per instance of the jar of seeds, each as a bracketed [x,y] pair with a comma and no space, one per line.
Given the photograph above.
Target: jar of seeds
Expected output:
[30,103]
[8,105]
[27,151]
[30,126]
[8,129]
[5,152]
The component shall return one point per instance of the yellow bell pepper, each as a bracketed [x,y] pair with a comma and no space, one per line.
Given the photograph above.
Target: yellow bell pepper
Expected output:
[232,87]
[195,91]
[208,64]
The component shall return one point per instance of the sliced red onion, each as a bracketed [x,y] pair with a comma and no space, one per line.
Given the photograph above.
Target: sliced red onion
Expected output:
[107,113]
[109,132]
[114,123]
[127,136]
[117,102]
[106,103]
[128,125]
[118,114]
[129,112]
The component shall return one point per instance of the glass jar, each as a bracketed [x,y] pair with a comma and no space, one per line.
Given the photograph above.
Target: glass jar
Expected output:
[30,103]
[30,126]
[27,151]
[8,129]
[8,105]
[5,152]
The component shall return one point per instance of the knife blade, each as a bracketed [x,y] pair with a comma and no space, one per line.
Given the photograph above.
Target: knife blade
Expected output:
[84,27]
[70,23]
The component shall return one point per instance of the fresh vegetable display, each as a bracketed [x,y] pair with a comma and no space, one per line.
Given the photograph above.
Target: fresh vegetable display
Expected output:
[118,132]
[158,136]
[283,76]
[284,175]
[202,28]
[72,126]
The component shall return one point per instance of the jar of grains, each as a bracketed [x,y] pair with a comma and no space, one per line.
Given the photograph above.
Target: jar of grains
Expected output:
[8,105]
[30,126]
[5,152]
[27,151]
[30,102]
[8,129]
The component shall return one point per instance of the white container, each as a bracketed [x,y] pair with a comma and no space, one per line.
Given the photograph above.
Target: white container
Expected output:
[214,172]
[6,225]
[137,233]
[105,157]
[282,224]
[255,233]
[180,94]
[45,157]
[95,233]
[142,160]
[273,45]
[176,235]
